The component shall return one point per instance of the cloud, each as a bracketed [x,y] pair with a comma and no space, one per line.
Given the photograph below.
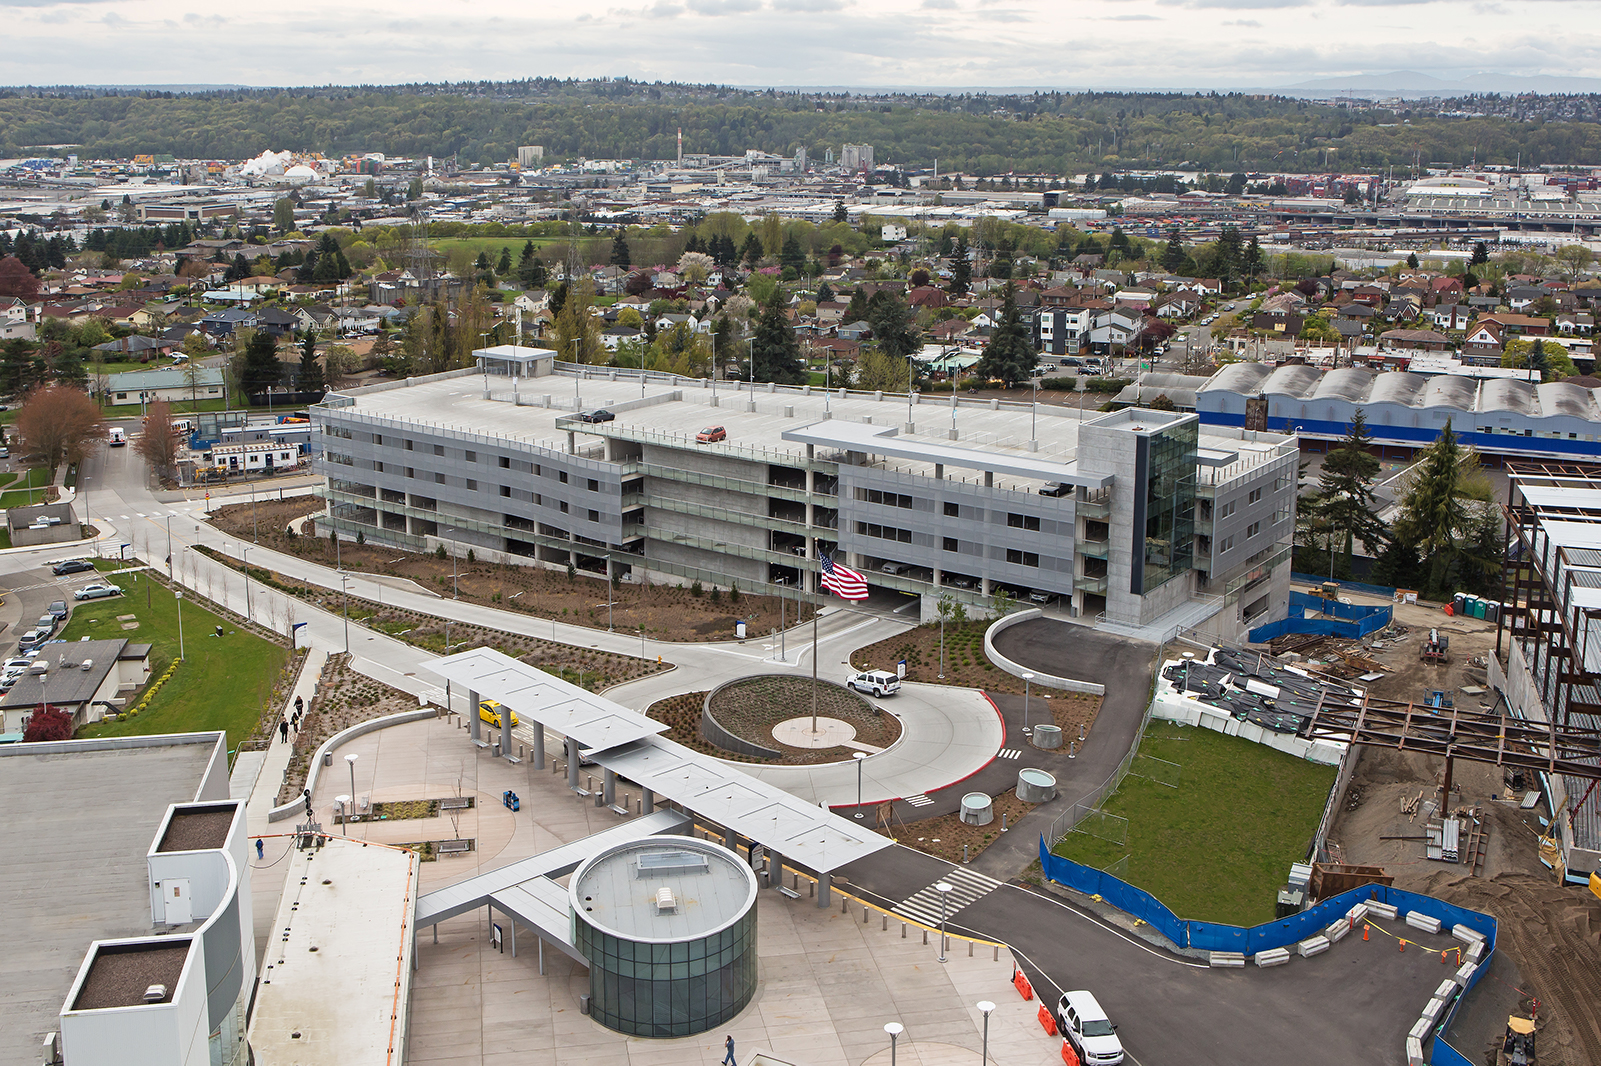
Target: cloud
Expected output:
[808,5]
[662,10]
[940,5]
[1130,18]
[47,3]
[1248,23]
[724,7]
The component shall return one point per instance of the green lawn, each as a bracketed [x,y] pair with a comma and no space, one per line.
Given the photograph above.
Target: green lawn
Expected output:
[18,495]
[1219,846]
[222,684]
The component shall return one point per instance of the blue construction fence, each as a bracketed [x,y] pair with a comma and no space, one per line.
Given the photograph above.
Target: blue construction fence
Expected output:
[1350,620]
[1211,936]
[1387,591]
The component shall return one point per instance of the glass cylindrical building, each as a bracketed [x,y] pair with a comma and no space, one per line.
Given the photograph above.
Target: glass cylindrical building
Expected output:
[668,925]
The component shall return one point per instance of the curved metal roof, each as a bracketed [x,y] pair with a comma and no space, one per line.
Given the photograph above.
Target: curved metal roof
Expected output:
[1244,378]
[1566,398]
[1448,390]
[1297,381]
[1501,394]
[1397,387]
[1351,383]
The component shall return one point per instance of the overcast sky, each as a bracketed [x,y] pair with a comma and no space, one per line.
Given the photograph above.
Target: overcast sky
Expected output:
[918,43]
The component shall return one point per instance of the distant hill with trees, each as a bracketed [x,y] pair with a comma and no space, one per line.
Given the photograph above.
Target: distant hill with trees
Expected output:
[1041,133]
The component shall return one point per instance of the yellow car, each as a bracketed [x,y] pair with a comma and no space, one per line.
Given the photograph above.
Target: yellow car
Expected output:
[489,711]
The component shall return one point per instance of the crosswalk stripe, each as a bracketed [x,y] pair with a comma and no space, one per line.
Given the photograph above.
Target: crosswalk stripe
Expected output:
[1009,753]
[967,887]
[918,800]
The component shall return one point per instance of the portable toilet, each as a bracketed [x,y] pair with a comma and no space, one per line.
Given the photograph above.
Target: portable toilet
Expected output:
[1478,608]
[1457,601]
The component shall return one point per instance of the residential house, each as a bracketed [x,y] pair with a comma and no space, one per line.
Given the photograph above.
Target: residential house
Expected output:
[1426,339]
[1484,343]
[927,296]
[120,315]
[854,331]
[1514,325]
[138,347]
[313,318]
[1453,317]
[1180,304]
[223,323]
[1371,295]
[1062,330]
[276,321]
[615,335]
[1280,321]
[1580,323]
[168,383]
[1524,297]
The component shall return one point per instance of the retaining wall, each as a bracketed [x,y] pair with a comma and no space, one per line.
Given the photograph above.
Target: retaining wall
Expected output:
[1046,680]
[290,809]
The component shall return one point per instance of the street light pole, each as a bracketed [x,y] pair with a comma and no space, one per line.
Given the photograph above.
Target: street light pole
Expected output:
[860,757]
[894,1029]
[942,645]
[344,587]
[1028,679]
[984,1008]
[944,890]
[351,759]
[178,595]
[244,555]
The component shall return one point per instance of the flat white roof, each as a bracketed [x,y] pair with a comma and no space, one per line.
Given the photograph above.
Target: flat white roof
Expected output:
[339,961]
[885,440]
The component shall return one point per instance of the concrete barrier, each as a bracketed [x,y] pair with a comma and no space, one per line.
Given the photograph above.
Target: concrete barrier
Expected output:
[1380,910]
[1446,990]
[1433,1011]
[1414,1052]
[1227,959]
[1273,957]
[1357,913]
[1420,1030]
[1476,952]
[1312,945]
[1337,931]
[1045,680]
[1464,974]
[288,810]
[1467,934]
[1426,922]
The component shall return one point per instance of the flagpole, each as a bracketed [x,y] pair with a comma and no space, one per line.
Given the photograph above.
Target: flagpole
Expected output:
[817,572]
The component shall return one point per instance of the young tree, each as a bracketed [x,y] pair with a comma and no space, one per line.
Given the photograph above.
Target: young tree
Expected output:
[503,266]
[339,361]
[839,211]
[894,325]
[47,723]
[695,267]
[774,350]
[575,323]
[1010,355]
[879,370]
[310,378]
[158,443]
[1481,254]
[283,215]
[1345,487]
[1412,260]
[58,423]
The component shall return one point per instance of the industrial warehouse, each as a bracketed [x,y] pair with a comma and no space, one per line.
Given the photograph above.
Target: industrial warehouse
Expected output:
[1135,517]
[1405,410]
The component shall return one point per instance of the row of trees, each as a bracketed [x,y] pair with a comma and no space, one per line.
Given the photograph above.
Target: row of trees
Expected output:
[1448,535]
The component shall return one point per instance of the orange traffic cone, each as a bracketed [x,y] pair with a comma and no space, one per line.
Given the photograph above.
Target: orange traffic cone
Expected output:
[1442,958]
[1401,942]
[1365,928]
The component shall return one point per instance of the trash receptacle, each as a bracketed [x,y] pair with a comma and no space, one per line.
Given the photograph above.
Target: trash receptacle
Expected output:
[327,758]
[583,1003]
[495,749]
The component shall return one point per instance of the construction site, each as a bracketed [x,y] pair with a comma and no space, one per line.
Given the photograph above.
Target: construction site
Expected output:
[1493,844]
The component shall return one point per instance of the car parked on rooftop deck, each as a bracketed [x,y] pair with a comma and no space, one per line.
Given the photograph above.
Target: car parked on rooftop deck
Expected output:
[711,435]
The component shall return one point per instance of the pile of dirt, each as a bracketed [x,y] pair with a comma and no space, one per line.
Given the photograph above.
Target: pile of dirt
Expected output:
[1553,934]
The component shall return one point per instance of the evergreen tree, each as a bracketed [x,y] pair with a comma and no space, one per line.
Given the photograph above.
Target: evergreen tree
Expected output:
[310,378]
[504,266]
[262,370]
[961,269]
[894,326]
[791,256]
[1538,362]
[824,293]
[1412,260]
[856,310]
[1345,486]
[1433,517]
[751,252]
[775,351]
[1173,251]
[1010,356]
[620,257]
[1481,254]
[840,214]
[1253,259]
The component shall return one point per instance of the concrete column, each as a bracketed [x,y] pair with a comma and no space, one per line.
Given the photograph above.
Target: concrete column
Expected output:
[608,788]
[989,479]
[730,840]
[939,576]
[775,869]
[539,745]
[647,801]
[939,471]
[985,587]
[472,715]
[511,928]
[573,757]
[825,897]
[572,442]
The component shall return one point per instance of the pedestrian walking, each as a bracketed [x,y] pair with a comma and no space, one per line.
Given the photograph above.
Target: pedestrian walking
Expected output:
[261,848]
[728,1052]
[300,705]
[283,730]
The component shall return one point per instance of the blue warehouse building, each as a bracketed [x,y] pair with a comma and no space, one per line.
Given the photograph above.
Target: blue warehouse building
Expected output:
[1406,411]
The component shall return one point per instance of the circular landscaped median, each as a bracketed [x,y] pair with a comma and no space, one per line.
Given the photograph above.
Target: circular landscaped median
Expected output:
[769,717]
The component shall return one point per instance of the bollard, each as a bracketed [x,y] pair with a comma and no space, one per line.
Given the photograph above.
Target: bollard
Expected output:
[844,906]
[885,928]
[811,889]
[1081,732]
[903,930]
[925,937]
[1003,821]
[1072,749]
[964,853]
[864,914]
[997,956]
[969,949]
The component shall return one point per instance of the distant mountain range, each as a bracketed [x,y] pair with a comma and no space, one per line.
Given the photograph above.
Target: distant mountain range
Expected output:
[1410,83]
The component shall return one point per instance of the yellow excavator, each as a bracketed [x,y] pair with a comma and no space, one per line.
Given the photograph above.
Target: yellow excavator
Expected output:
[1518,1047]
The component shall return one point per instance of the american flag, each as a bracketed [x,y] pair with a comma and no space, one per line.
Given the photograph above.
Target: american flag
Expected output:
[842,580]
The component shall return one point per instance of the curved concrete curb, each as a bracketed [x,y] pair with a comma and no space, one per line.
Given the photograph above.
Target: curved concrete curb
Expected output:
[278,814]
[1039,678]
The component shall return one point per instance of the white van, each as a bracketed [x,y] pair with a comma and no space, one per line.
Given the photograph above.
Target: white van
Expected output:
[118,437]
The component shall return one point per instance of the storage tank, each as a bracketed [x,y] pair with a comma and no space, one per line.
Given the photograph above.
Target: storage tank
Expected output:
[977,809]
[1035,785]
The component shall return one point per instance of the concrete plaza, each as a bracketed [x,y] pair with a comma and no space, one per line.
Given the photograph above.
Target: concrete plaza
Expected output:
[828,981]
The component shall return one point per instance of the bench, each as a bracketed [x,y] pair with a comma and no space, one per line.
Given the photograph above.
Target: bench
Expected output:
[787,892]
[454,847]
[480,743]
[583,792]
[621,811]
[512,759]
[456,803]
